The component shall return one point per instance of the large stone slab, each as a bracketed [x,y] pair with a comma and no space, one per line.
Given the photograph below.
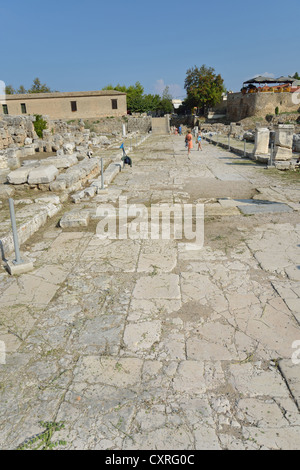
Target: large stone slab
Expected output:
[60,162]
[42,174]
[262,138]
[291,372]
[75,218]
[141,336]
[19,176]
[160,286]
[263,208]
[284,142]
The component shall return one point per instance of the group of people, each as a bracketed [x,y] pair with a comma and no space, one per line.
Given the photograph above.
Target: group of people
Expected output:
[177,131]
[189,138]
[189,141]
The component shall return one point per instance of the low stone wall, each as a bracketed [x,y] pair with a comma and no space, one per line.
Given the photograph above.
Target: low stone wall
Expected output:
[114,126]
[14,130]
[185,120]
[240,106]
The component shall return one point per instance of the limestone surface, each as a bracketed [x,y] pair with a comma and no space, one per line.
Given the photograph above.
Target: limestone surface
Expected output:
[151,343]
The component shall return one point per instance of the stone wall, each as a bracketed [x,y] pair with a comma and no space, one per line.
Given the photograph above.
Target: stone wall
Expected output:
[185,120]
[14,130]
[109,125]
[241,106]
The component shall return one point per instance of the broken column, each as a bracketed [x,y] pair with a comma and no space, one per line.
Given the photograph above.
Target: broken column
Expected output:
[262,138]
[283,142]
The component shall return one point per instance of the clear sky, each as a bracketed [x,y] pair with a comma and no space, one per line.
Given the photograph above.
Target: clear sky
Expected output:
[85,45]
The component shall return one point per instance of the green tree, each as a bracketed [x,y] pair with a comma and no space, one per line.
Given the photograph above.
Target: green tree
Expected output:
[38,87]
[21,90]
[166,95]
[9,90]
[296,76]
[166,105]
[39,125]
[151,103]
[204,88]
[138,102]
[134,95]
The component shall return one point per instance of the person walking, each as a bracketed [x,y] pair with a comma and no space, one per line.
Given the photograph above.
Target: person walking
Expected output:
[199,140]
[189,140]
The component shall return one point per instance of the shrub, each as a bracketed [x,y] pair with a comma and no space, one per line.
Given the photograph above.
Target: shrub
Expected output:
[39,125]
[276,110]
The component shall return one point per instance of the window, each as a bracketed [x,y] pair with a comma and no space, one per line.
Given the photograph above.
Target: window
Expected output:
[23,108]
[74,106]
[114,104]
[5,109]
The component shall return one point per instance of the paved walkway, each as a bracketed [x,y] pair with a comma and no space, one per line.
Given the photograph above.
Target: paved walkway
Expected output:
[146,344]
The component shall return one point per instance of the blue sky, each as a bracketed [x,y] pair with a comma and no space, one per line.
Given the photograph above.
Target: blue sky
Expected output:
[86,45]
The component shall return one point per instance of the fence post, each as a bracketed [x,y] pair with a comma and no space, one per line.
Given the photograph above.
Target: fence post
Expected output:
[15,232]
[271,153]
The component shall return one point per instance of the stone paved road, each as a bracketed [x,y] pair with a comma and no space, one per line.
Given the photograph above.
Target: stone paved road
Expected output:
[146,344]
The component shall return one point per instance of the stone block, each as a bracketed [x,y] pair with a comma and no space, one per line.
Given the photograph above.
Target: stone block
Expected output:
[262,138]
[60,162]
[91,191]
[42,175]
[282,153]
[284,135]
[283,165]
[13,162]
[58,186]
[17,269]
[69,148]
[77,196]
[284,142]
[19,176]
[51,198]
[76,218]
[28,150]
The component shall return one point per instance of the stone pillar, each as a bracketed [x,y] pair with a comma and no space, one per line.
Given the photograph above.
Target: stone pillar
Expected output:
[262,138]
[284,142]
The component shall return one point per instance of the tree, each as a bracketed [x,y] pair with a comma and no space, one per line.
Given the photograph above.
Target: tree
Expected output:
[135,98]
[166,95]
[39,125]
[134,95]
[38,87]
[296,76]
[204,88]
[9,90]
[166,104]
[151,103]
[138,102]
[21,90]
